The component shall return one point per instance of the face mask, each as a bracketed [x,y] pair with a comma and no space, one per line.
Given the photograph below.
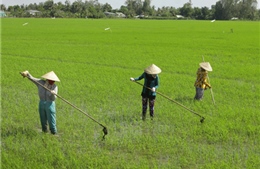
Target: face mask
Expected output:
[51,82]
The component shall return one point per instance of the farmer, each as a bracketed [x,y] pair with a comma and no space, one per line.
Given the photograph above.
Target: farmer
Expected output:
[201,83]
[47,108]
[151,80]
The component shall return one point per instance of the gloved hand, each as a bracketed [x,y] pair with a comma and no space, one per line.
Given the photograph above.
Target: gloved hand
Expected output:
[53,92]
[25,73]
[132,79]
[153,89]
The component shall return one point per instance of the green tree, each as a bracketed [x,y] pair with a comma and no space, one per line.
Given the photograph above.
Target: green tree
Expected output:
[205,13]
[48,5]
[77,8]
[258,14]
[186,10]
[3,7]
[247,9]
[243,9]
[134,7]
[197,14]
[93,9]
[222,10]
[67,6]
[147,10]
[124,9]
[165,11]
[39,7]
[228,8]
[32,6]
[107,7]
[48,8]
[15,11]
[58,10]
[173,11]
[218,11]
[212,12]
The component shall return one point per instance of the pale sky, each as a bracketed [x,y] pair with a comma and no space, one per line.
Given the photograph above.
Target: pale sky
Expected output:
[116,4]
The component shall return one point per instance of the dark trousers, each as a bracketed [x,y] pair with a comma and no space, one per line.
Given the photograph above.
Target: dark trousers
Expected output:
[199,93]
[145,101]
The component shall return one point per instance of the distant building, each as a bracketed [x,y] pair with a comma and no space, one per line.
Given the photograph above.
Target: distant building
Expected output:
[117,14]
[2,14]
[109,14]
[139,16]
[234,18]
[179,16]
[120,14]
[33,12]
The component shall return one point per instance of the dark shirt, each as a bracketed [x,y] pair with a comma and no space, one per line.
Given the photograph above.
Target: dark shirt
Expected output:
[150,82]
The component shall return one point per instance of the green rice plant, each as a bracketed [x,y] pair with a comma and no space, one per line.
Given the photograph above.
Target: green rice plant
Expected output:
[94,66]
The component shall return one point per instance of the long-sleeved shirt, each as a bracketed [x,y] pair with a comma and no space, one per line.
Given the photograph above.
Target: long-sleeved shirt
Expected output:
[44,94]
[150,82]
[201,81]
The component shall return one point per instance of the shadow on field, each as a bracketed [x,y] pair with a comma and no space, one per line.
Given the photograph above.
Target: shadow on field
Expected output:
[16,131]
[182,99]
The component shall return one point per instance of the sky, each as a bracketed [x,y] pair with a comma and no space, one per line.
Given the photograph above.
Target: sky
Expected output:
[116,4]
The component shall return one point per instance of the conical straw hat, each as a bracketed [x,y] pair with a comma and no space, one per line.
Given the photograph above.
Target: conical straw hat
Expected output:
[153,69]
[51,76]
[206,66]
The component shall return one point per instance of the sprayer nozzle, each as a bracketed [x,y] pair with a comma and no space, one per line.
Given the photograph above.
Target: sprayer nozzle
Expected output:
[202,119]
[105,131]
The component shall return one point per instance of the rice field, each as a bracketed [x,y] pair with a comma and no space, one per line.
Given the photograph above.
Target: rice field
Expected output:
[95,64]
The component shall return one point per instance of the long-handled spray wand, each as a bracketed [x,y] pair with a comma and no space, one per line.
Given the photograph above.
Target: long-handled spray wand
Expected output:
[104,127]
[201,117]
[211,91]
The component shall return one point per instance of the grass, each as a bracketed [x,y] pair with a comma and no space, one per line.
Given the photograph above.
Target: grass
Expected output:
[94,67]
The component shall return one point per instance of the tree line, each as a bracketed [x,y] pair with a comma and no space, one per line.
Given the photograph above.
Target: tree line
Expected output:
[222,10]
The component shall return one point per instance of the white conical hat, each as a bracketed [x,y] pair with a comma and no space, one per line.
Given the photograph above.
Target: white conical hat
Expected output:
[153,69]
[51,76]
[206,66]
